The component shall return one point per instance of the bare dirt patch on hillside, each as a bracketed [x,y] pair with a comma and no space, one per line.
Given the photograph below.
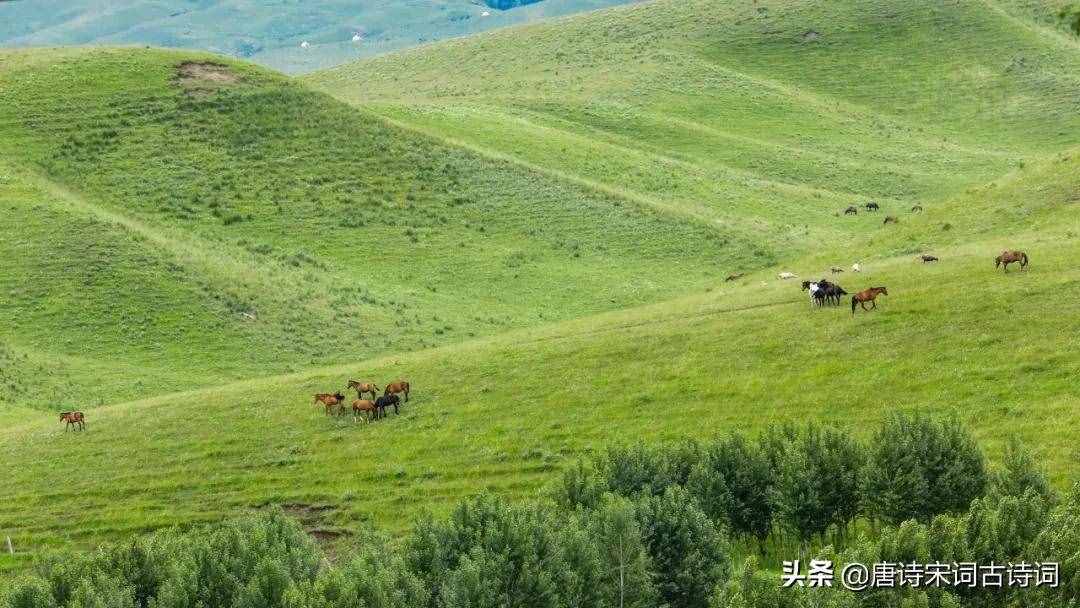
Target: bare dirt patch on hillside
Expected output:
[204,75]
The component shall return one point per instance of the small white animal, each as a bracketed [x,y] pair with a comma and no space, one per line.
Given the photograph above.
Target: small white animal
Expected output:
[357,38]
[787,275]
[305,44]
[856,268]
[485,14]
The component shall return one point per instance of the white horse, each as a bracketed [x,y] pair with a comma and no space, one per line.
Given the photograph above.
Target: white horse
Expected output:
[814,289]
[783,276]
[856,268]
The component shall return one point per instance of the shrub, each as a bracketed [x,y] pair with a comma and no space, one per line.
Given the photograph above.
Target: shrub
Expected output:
[919,467]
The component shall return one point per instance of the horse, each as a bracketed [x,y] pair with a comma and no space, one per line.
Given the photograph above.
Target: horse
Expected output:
[927,258]
[872,206]
[363,387]
[330,401]
[867,295]
[856,268]
[74,420]
[367,406]
[916,209]
[891,219]
[394,388]
[1008,257]
[816,294]
[734,277]
[836,270]
[387,401]
[831,292]
[783,276]
[852,210]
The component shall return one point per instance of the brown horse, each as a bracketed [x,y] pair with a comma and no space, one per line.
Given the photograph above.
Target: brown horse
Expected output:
[363,387]
[331,402]
[734,276]
[890,219]
[400,386]
[1008,257]
[367,406]
[867,295]
[927,258]
[73,419]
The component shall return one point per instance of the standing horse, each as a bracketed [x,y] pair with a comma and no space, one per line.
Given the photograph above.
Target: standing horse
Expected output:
[387,401]
[867,295]
[400,386]
[816,293]
[1008,257]
[872,206]
[853,210]
[331,402]
[74,420]
[363,387]
[367,406]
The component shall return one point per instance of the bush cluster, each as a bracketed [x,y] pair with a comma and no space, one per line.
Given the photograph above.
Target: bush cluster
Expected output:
[633,527]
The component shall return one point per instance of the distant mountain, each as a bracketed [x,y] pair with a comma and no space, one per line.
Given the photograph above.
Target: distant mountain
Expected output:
[290,36]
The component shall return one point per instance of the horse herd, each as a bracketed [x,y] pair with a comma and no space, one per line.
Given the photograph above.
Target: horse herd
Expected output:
[821,292]
[824,292]
[367,409]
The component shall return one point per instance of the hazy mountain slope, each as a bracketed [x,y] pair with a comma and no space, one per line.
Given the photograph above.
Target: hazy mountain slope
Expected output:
[271,227]
[264,31]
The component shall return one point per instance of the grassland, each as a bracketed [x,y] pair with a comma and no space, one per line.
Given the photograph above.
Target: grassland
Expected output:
[618,173]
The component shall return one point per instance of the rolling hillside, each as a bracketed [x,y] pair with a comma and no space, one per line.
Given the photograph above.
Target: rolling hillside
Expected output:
[189,223]
[267,32]
[538,244]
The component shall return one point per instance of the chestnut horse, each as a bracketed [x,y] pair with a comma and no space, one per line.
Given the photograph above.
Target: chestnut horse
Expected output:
[400,386]
[73,419]
[330,401]
[363,387]
[1008,257]
[364,405]
[867,295]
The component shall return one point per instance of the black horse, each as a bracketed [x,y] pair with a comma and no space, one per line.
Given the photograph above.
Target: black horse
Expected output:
[387,401]
[872,206]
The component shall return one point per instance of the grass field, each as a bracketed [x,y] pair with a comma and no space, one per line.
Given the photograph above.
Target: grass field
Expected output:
[538,245]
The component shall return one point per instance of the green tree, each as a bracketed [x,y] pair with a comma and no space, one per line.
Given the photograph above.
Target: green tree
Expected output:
[626,566]
[731,482]
[689,554]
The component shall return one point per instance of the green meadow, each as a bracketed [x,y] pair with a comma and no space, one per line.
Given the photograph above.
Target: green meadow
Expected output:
[192,247]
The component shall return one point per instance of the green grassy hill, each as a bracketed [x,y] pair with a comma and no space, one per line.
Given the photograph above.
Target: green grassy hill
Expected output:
[537,244]
[185,230]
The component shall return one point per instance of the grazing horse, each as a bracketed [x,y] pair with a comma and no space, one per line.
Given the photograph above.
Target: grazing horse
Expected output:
[891,219]
[394,388]
[783,276]
[367,406]
[831,292]
[331,402]
[734,277]
[916,209]
[387,401]
[852,210]
[363,387]
[836,270]
[928,258]
[867,295]
[1008,257]
[816,293]
[872,206]
[73,419]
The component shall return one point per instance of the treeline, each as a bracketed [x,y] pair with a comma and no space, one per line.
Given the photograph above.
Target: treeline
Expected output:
[688,525]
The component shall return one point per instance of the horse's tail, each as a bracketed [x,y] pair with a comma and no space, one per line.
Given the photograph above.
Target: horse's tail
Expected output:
[1023,260]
